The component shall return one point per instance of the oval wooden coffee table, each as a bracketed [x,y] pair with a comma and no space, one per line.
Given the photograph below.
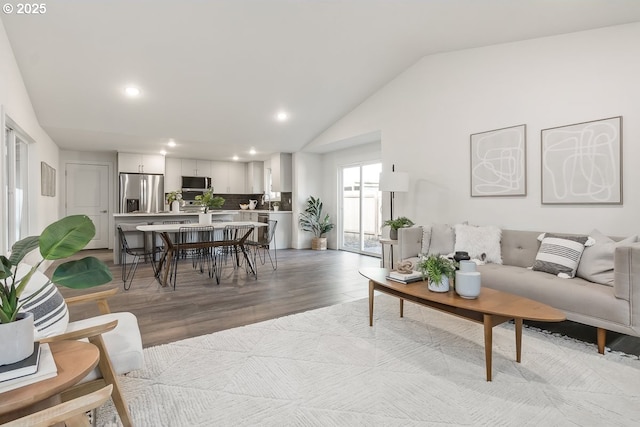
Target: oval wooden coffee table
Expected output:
[74,360]
[491,308]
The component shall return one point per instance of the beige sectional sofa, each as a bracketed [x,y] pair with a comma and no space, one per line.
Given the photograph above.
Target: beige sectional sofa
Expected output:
[611,306]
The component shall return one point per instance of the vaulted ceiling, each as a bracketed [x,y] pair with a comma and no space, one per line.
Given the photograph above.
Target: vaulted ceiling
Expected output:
[214,74]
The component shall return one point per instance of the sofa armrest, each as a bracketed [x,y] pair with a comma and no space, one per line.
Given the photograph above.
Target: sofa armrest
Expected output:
[626,283]
[409,242]
[99,297]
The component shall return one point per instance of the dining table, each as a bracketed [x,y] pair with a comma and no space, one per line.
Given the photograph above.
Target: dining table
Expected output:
[166,231]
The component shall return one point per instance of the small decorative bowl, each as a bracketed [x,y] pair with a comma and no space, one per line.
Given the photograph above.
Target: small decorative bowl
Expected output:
[244,206]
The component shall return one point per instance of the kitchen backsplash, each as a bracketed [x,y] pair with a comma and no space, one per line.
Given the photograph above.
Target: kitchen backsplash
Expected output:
[233,201]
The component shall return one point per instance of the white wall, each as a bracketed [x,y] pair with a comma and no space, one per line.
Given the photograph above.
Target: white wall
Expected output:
[428,112]
[17,105]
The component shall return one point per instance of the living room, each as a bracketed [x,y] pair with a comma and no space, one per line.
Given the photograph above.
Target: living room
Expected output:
[420,122]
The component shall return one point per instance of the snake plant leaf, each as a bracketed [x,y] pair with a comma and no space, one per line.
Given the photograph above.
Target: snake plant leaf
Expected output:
[83,273]
[65,237]
[21,248]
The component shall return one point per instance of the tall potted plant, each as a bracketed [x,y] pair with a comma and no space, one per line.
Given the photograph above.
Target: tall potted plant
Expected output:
[59,240]
[394,224]
[313,221]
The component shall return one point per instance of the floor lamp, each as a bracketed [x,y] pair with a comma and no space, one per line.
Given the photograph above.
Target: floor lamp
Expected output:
[394,182]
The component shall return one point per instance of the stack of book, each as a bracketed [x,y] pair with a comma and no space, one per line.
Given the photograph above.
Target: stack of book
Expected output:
[37,367]
[414,276]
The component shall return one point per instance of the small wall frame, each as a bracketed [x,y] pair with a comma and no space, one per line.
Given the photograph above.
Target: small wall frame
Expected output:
[498,162]
[582,163]
[47,180]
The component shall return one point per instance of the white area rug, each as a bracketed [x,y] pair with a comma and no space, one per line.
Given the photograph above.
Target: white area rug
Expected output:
[327,367]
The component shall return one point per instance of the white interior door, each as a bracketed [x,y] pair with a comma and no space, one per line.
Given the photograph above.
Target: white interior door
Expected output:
[87,190]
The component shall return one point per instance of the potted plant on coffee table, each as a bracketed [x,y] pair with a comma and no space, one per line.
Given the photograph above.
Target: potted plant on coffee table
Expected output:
[313,221]
[437,269]
[394,224]
[59,240]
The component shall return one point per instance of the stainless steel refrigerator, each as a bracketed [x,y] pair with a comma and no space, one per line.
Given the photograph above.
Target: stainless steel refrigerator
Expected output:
[141,192]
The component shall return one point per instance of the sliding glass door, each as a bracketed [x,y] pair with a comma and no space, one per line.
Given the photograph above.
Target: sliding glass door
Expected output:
[361,208]
[15,192]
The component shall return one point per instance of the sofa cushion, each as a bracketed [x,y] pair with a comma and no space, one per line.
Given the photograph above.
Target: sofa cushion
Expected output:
[560,254]
[442,239]
[596,264]
[481,243]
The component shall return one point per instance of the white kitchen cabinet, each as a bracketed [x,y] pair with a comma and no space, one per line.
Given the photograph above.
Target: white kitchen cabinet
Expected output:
[247,216]
[192,167]
[228,177]
[141,163]
[281,172]
[172,174]
[255,177]
[283,229]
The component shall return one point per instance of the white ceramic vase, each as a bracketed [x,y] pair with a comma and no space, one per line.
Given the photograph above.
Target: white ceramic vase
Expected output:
[175,206]
[468,281]
[17,339]
[441,286]
[204,218]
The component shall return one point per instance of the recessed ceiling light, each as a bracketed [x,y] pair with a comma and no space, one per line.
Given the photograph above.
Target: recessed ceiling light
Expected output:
[163,152]
[171,143]
[132,91]
[235,158]
[282,116]
[252,151]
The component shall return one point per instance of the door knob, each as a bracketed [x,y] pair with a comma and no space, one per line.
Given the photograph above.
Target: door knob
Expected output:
[104,211]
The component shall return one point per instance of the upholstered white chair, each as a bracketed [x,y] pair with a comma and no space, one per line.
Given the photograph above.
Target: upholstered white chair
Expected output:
[116,335]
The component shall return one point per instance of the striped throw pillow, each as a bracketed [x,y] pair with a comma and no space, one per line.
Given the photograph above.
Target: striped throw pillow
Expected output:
[560,254]
[50,314]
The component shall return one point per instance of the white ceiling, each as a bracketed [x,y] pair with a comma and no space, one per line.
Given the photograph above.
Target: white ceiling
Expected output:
[213,74]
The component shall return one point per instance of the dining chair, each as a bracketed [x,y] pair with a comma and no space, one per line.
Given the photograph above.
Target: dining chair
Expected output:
[265,242]
[194,243]
[70,413]
[230,242]
[129,270]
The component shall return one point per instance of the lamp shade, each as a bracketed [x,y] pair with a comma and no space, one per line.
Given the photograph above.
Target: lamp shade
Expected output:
[394,181]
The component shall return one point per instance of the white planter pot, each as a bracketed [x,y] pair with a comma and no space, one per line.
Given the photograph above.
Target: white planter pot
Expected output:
[175,206]
[17,339]
[276,208]
[204,218]
[441,286]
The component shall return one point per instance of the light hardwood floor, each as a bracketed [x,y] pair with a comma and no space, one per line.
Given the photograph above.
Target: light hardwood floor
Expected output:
[305,280]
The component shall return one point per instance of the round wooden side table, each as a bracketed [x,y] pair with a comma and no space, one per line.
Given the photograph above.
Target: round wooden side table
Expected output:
[74,360]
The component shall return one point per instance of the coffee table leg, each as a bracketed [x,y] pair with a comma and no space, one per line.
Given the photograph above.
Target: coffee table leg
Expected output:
[488,343]
[518,339]
[370,302]
[401,307]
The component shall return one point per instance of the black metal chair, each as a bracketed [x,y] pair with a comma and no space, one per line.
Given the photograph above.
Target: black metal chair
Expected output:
[265,242]
[129,271]
[232,242]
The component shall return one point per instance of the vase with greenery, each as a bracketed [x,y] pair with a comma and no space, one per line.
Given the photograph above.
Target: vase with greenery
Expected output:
[313,220]
[437,269]
[59,240]
[394,224]
[209,201]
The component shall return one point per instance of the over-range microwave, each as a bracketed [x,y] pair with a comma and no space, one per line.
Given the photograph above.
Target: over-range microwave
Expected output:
[195,183]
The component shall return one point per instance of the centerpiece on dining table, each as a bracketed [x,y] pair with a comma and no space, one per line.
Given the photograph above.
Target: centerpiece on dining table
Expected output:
[208,201]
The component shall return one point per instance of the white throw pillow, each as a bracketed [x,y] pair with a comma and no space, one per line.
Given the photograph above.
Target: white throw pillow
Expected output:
[560,254]
[481,243]
[596,263]
[50,313]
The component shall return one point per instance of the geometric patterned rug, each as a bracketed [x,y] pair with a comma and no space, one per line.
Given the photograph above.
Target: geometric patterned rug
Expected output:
[327,367]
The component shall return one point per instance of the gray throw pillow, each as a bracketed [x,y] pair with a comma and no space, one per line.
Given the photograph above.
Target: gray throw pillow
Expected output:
[443,239]
[596,264]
